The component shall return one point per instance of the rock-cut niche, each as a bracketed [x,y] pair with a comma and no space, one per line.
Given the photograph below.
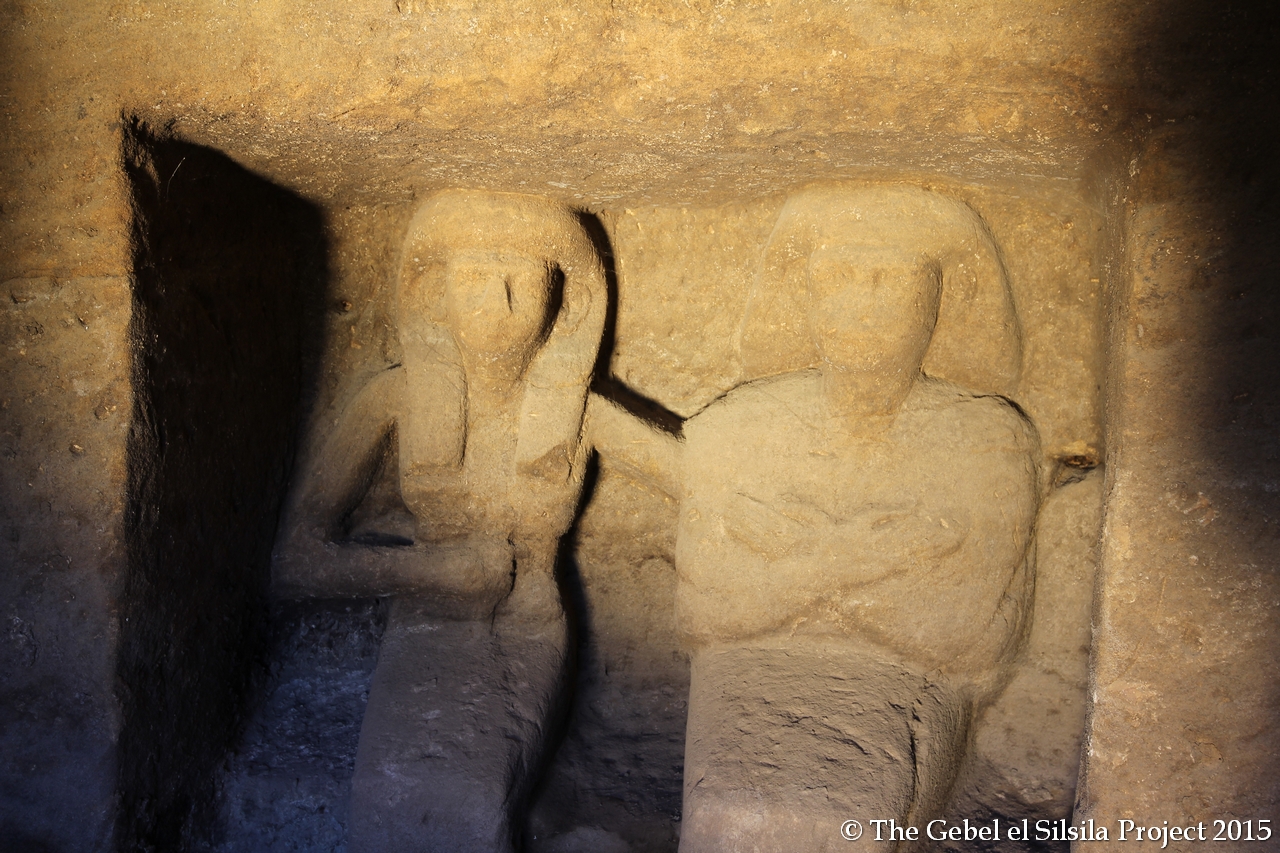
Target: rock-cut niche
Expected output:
[687,528]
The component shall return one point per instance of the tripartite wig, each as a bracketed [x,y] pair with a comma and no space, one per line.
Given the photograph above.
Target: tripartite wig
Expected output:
[977,342]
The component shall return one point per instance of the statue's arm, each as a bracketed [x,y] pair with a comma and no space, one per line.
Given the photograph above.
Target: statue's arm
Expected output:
[334,471]
[633,444]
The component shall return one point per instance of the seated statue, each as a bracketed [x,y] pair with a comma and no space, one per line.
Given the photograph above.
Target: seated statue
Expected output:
[855,546]
[500,308]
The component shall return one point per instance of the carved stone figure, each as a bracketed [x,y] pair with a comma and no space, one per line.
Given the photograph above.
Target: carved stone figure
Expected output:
[500,309]
[854,555]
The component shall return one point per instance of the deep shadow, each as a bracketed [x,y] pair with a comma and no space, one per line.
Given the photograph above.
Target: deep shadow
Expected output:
[568,796]
[581,641]
[1229,62]
[288,785]
[573,594]
[603,382]
[1205,77]
[226,271]
[1214,69]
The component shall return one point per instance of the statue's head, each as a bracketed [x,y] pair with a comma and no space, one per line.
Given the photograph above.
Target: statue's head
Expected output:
[499,301]
[871,310]
[885,279]
[498,270]
[499,296]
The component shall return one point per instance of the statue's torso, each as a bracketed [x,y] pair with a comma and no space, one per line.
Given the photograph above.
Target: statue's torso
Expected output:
[910,532]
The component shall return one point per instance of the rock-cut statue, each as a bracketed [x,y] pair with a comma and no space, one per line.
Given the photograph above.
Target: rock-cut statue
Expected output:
[854,554]
[500,308]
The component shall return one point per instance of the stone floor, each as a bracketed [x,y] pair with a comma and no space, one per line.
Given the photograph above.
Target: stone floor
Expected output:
[287,787]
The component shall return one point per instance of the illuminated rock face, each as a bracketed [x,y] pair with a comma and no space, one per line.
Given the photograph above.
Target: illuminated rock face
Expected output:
[633,426]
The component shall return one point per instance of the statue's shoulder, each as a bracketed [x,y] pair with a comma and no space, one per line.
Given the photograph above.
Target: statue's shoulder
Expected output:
[763,405]
[978,421]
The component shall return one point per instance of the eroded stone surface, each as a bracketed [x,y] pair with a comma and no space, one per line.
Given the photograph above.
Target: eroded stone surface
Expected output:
[821,505]
[684,127]
[1186,618]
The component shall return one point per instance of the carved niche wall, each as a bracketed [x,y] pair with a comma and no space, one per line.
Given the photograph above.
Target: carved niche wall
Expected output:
[832,557]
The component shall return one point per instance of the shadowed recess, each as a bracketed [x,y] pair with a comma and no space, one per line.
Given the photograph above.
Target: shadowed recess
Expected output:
[223,266]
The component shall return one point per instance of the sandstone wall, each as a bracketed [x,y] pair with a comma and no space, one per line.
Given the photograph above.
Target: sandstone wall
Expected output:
[1120,153]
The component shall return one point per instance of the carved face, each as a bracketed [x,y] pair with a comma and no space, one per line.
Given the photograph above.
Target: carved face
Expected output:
[871,312]
[498,302]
